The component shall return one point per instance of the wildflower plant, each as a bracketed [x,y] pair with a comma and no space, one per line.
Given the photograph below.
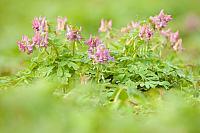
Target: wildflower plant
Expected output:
[130,58]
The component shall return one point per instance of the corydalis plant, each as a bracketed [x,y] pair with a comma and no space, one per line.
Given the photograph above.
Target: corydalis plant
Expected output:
[129,57]
[40,38]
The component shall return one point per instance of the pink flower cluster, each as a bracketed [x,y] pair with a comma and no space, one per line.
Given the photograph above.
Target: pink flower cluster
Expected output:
[93,42]
[146,32]
[40,24]
[25,45]
[97,50]
[160,21]
[73,34]
[40,27]
[40,37]
[175,40]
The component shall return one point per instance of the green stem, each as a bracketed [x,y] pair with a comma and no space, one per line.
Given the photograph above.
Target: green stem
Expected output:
[102,76]
[46,51]
[73,48]
[97,77]
[55,49]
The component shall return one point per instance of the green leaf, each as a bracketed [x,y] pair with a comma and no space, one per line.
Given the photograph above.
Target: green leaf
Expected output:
[120,77]
[45,71]
[123,95]
[73,65]
[63,63]
[124,58]
[59,72]
[67,74]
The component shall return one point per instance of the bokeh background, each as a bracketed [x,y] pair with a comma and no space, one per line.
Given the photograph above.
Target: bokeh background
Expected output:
[16,17]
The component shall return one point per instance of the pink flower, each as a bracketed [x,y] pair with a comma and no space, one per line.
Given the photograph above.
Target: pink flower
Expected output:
[44,40]
[91,52]
[161,20]
[93,41]
[176,42]
[105,25]
[40,39]
[61,23]
[102,54]
[145,32]
[25,45]
[73,34]
[174,37]
[166,33]
[36,38]
[21,46]
[97,51]
[36,24]
[40,24]
[178,45]
[30,48]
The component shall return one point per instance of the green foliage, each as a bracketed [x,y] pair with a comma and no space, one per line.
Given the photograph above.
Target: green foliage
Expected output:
[138,62]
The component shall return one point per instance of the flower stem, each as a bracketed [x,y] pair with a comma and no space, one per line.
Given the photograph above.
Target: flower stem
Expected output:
[73,48]
[47,51]
[55,49]
[97,77]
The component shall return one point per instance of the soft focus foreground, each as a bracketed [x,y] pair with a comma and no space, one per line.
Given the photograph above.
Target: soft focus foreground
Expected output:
[85,109]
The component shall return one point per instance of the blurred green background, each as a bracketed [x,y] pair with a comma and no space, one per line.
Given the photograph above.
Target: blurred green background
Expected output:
[16,18]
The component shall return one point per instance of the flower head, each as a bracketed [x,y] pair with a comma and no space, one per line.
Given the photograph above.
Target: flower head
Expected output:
[40,39]
[40,27]
[61,23]
[145,32]
[30,48]
[73,34]
[174,37]
[40,24]
[105,25]
[166,33]
[102,54]
[97,50]
[36,38]
[93,41]
[178,45]
[160,21]
[44,40]
[25,45]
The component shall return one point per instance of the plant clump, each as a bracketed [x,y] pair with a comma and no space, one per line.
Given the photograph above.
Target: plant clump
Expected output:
[132,57]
